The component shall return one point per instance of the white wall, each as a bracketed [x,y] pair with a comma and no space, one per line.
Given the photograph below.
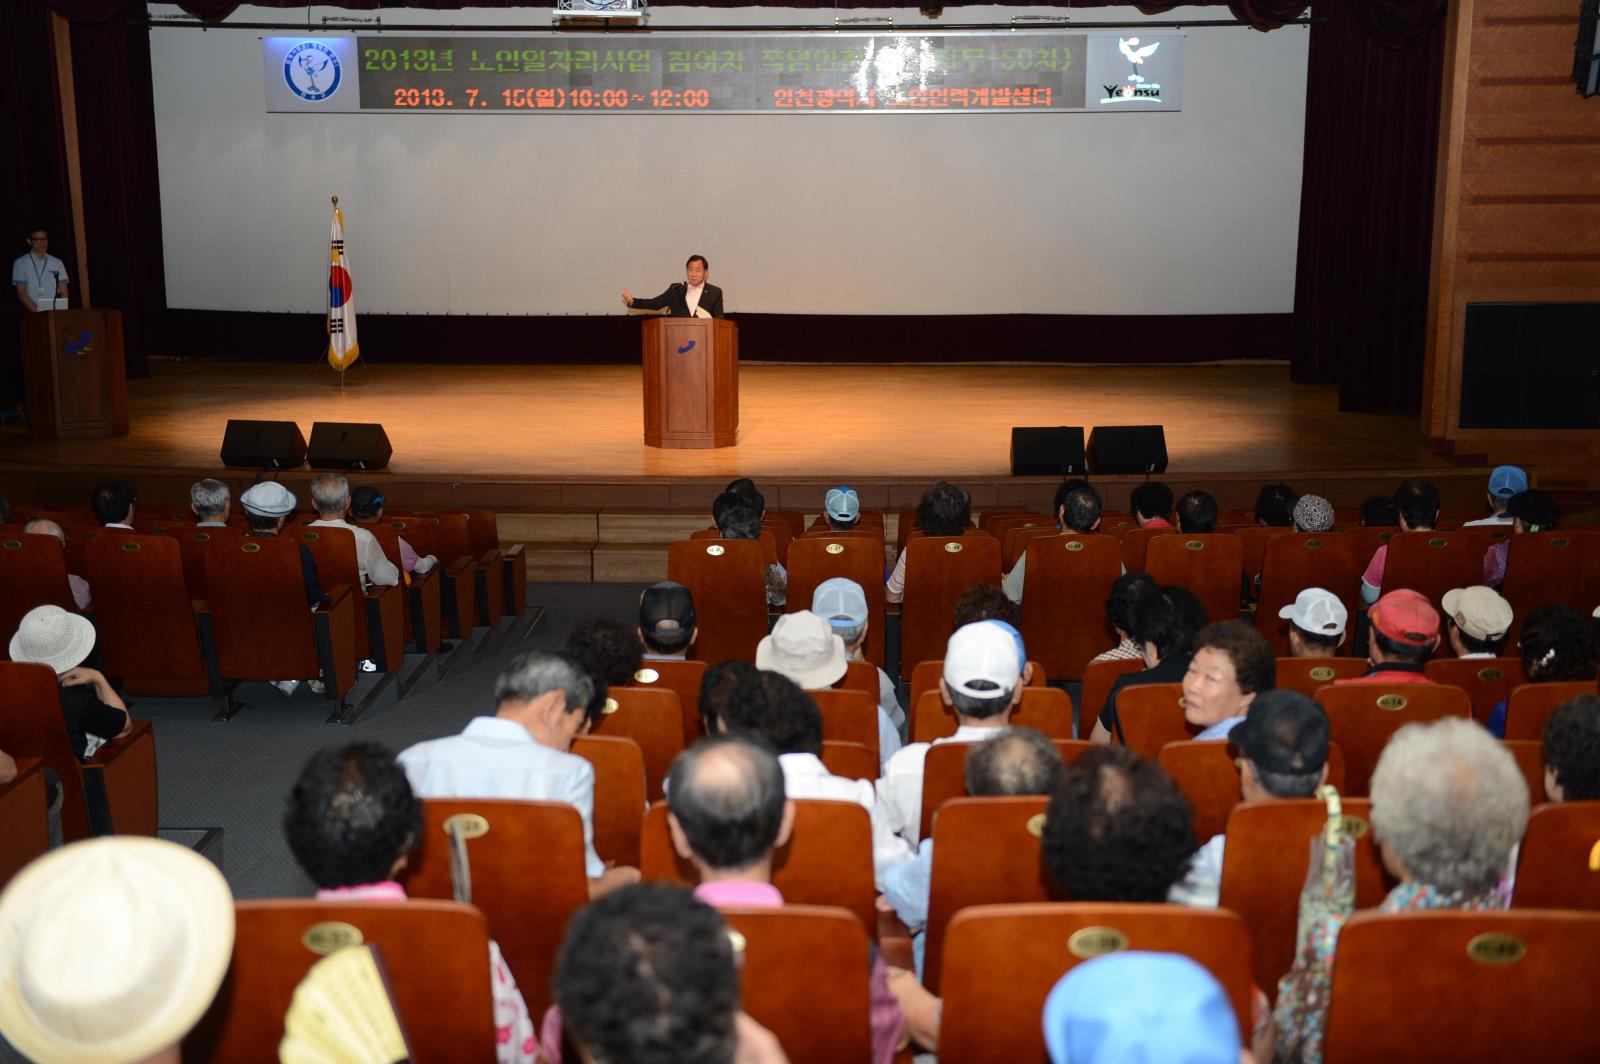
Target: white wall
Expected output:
[1160,213]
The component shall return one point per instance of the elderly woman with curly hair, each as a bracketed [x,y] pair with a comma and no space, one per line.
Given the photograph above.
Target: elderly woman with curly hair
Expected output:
[1557,645]
[1449,807]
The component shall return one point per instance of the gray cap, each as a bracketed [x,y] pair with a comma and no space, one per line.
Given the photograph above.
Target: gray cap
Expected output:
[268,499]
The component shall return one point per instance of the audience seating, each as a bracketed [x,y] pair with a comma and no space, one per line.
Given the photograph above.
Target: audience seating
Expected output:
[1294,561]
[435,953]
[1550,567]
[1264,869]
[1208,776]
[985,851]
[24,818]
[453,535]
[927,674]
[455,596]
[1532,704]
[1136,545]
[124,770]
[1362,717]
[804,973]
[1014,543]
[1435,562]
[1252,549]
[619,799]
[653,719]
[1207,564]
[1556,863]
[1307,675]
[1065,586]
[813,559]
[853,761]
[1365,541]
[485,531]
[420,603]
[767,538]
[458,595]
[380,620]
[828,859]
[1471,985]
[33,570]
[682,676]
[1048,709]
[1151,716]
[193,544]
[850,716]
[1487,681]
[1003,960]
[527,868]
[944,775]
[1099,677]
[938,570]
[147,631]
[727,579]
[859,676]
[263,630]
[1529,755]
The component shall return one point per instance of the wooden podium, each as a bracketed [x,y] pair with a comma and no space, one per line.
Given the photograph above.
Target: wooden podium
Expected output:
[73,374]
[691,382]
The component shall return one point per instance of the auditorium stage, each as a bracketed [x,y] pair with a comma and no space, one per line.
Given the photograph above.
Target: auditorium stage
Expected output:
[571,437]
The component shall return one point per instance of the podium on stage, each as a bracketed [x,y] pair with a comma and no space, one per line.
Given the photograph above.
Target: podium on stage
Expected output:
[691,382]
[73,374]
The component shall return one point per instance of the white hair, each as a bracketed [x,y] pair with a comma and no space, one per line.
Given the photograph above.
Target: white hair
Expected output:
[208,497]
[330,493]
[42,526]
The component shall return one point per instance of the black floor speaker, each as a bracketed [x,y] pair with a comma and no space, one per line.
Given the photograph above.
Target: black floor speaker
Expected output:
[348,445]
[1128,449]
[1040,452]
[263,444]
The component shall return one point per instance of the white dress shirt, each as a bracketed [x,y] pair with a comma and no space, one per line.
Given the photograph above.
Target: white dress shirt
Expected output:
[496,758]
[376,568]
[900,790]
[805,776]
[1202,884]
[691,298]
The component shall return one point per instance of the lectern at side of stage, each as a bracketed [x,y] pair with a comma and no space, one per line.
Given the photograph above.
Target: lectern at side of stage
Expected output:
[691,382]
[74,377]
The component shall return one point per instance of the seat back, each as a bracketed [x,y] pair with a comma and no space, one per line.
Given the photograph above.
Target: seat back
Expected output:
[435,953]
[1529,755]
[1064,587]
[728,581]
[1264,869]
[1099,677]
[1432,563]
[1499,978]
[528,877]
[849,716]
[859,676]
[1362,717]
[1206,564]
[1046,709]
[927,674]
[682,676]
[1487,681]
[653,719]
[334,551]
[1014,541]
[24,818]
[827,861]
[193,543]
[1001,962]
[144,622]
[1136,545]
[938,570]
[483,529]
[1294,561]
[1556,866]
[1550,567]
[853,761]
[813,559]
[33,570]
[1151,716]
[1531,705]
[31,725]
[263,628]
[1253,548]
[944,774]
[1207,775]
[985,852]
[1306,675]
[619,801]
[781,951]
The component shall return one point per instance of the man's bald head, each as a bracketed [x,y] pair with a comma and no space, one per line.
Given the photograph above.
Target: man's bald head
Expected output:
[727,795]
[41,526]
[1017,761]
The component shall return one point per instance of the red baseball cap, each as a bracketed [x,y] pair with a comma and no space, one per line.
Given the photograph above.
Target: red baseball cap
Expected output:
[1406,616]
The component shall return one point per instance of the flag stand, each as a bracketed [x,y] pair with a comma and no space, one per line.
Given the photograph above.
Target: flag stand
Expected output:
[341,319]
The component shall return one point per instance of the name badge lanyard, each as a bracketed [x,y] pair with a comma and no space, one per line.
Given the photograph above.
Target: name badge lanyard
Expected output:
[38,274]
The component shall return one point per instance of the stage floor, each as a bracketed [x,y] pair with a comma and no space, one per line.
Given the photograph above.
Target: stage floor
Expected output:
[513,429]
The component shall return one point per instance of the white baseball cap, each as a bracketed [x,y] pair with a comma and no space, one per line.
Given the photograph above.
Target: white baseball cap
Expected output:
[268,499]
[840,597]
[1317,611]
[982,650]
[1479,612]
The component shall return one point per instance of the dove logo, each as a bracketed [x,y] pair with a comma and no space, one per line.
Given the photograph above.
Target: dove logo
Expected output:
[79,345]
[1136,88]
[686,348]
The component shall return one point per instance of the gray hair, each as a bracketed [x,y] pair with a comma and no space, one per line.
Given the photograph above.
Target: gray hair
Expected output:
[1017,761]
[534,674]
[330,493]
[851,634]
[208,497]
[43,526]
[1450,802]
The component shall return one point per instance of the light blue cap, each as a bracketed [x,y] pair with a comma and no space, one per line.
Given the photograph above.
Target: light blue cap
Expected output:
[1136,1007]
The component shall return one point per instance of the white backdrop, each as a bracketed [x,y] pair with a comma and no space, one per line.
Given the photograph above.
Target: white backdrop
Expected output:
[1193,212]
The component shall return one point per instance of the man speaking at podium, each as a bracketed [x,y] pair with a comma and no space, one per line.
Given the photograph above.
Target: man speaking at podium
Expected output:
[40,277]
[696,299]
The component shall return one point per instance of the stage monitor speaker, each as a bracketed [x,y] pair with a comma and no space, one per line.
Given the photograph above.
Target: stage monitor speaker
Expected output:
[263,444]
[1041,452]
[348,445]
[1127,449]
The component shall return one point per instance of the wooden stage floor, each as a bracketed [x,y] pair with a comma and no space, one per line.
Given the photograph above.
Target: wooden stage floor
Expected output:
[553,436]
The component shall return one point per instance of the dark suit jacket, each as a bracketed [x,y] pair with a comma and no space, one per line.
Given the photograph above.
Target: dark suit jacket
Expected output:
[675,301]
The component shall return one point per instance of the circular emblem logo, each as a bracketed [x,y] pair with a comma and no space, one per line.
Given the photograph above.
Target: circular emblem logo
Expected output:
[952,548]
[1352,826]
[468,825]
[1089,942]
[646,676]
[1392,703]
[251,548]
[311,71]
[1322,673]
[1074,544]
[1035,825]
[610,707]
[1495,948]
[1194,544]
[1438,544]
[130,546]
[330,935]
[834,548]
[716,550]
[1313,544]
[1491,674]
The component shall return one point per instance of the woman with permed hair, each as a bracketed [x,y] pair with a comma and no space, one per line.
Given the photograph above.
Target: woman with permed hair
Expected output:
[1557,645]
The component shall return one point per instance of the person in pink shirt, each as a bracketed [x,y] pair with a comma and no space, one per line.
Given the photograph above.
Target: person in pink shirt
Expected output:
[1151,503]
[1416,504]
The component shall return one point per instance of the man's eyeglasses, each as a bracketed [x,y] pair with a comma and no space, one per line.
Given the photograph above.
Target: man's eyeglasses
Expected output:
[38,239]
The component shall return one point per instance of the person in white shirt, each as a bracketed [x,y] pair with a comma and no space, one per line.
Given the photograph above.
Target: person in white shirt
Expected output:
[211,503]
[805,648]
[1477,620]
[1283,743]
[844,604]
[1504,482]
[330,494]
[693,299]
[1077,510]
[1317,622]
[982,683]
[37,275]
[523,752]
[113,503]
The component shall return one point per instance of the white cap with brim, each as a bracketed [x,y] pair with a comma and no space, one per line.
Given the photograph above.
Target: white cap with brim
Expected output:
[1317,611]
[982,651]
[802,646]
[268,499]
[49,635]
[840,596]
[1479,611]
[111,950]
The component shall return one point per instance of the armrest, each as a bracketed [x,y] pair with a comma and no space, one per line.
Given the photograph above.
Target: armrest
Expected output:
[338,592]
[458,567]
[26,766]
[127,768]
[489,557]
[511,551]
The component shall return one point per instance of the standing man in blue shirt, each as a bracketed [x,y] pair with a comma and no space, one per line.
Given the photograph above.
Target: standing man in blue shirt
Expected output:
[38,275]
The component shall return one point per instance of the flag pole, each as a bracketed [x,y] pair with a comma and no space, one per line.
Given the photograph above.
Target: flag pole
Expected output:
[330,301]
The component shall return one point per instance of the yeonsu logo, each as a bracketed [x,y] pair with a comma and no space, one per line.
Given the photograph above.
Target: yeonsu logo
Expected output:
[1135,88]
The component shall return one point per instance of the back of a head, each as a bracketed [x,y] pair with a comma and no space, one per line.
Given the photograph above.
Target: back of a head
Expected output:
[1379,512]
[1284,736]
[723,688]
[1536,511]
[351,815]
[1170,619]
[982,669]
[1557,644]
[1151,499]
[1275,505]
[1127,592]
[944,510]
[1079,506]
[1133,1007]
[112,500]
[1017,761]
[739,522]
[537,673]
[1197,512]
[647,975]
[1417,503]
[330,494]
[727,794]
[607,646]
[1118,828]
[667,617]
[986,602]
[208,498]
[43,526]
[746,488]
[779,711]
[1572,748]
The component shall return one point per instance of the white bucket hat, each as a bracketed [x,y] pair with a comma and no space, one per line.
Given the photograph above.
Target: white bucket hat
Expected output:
[111,950]
[802,646]
[51,636]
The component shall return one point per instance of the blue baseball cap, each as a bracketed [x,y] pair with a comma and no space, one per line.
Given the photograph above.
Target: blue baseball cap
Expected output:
[1506,481]
[842,503]
[1022,651]
[1134,1007]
